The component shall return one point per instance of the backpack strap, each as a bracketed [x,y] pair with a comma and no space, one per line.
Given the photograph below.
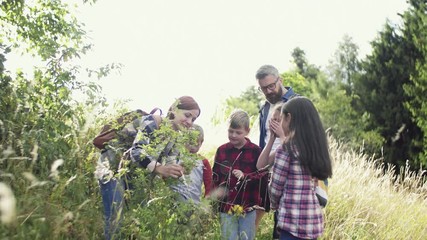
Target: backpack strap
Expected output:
[155,110]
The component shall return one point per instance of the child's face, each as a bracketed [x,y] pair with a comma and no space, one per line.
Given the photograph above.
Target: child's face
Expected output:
[195,148]
[237,136]
[276,116]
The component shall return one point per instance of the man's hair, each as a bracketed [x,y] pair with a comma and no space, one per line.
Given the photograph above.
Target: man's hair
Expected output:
[266,70]
[238,119]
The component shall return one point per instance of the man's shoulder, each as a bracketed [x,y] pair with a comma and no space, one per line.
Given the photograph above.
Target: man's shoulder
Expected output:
[263,105]
[289,94]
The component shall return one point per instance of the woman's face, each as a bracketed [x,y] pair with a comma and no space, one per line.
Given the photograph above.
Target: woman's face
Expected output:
[184,118]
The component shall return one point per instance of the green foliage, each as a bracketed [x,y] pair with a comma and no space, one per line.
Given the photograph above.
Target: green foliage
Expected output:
[46,161]
[381,94]
[161,215]
[298,82]
[345,65]
[337,118]
[250,100]
[154,210]
[46,26]
[303,67]
[41,129]
[416,31]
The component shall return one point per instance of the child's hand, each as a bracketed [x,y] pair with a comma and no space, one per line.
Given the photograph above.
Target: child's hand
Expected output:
[277,129]
[237,173]
[170,170]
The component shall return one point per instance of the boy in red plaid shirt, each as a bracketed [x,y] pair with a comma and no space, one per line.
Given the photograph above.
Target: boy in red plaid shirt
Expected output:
[235,173]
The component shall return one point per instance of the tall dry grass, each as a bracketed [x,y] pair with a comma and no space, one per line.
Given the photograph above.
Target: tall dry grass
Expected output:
[368,202]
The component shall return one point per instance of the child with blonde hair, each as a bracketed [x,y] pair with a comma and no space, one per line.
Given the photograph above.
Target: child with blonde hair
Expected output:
[235,172]
[201,174]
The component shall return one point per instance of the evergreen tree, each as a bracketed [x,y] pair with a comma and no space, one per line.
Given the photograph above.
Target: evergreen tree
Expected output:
[381,95]
[415,31]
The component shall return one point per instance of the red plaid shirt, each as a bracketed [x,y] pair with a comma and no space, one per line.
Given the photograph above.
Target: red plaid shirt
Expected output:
[244,192]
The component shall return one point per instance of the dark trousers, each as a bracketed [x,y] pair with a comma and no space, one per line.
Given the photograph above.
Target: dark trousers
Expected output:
[276,233]
[284,235]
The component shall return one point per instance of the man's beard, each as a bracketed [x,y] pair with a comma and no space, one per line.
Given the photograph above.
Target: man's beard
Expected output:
[273,98]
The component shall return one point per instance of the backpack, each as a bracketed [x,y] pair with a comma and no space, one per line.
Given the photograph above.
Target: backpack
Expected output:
[321,191]
[109,131]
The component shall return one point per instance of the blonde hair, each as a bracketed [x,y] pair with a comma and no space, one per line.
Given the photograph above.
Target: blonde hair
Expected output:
[199,129]
[278,107]
[238,119]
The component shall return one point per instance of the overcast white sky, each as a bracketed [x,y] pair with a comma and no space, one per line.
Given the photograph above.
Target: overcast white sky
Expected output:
[211,49]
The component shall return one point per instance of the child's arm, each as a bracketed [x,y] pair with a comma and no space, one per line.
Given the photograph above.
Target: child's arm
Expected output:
[253,173]
[207,177]
[266,158]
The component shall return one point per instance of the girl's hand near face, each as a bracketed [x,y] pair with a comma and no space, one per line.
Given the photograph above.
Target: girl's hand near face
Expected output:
[276,129]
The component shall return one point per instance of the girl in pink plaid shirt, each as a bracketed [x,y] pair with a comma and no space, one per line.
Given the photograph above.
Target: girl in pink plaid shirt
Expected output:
[299,162]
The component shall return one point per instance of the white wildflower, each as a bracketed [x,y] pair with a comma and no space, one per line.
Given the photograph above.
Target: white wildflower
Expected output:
[54,168]
[34,153]
[6,153]
[70,179]
[34,181]
[7,204]
[30,177]
[6,175]
[68,216]
[84,203]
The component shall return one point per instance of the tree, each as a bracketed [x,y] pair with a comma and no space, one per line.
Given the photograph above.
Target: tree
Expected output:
[43,132]
[307,70]
[345,65]
[381,95]
[415,31]
[249,100]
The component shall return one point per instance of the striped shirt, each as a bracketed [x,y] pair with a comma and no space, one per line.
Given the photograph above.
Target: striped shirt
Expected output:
[292,194]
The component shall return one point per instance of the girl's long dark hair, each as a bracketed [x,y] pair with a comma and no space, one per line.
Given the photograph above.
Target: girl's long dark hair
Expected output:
[309,137]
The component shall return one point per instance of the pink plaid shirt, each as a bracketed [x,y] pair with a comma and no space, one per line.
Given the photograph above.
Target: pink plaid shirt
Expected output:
[292,194]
